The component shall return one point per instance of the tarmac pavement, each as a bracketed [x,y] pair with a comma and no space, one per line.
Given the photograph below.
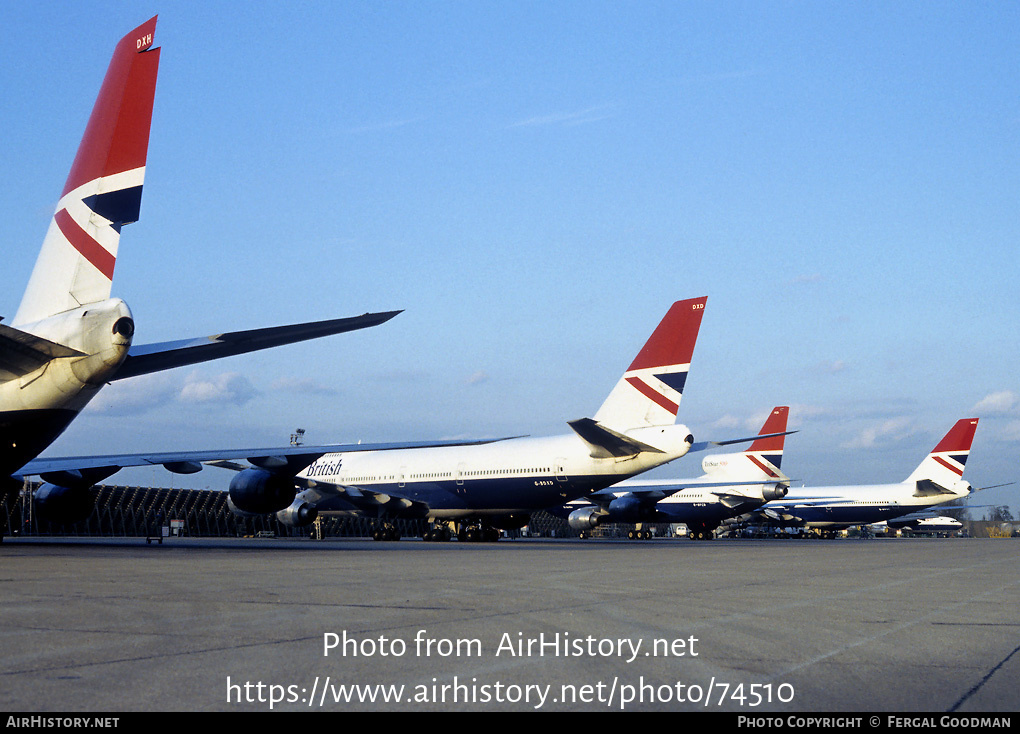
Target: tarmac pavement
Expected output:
[887,625]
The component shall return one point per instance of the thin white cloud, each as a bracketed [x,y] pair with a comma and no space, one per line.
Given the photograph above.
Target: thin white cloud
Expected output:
[831,367]
[1010,432]
[997,403]
[137,395]
[228,387]
[477,378]
[803,411]
[305,385]
[893,429]
[755,422]
[578,117]
[726,421]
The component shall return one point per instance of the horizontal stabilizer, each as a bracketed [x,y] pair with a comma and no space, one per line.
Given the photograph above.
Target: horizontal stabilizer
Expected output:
[702,445]
[731,500]
[991,486]
[142,360]
[928,488]
[22,353]
[605,442]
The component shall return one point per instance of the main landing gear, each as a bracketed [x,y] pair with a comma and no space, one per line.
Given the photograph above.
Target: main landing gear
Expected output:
[701,533]
[475,533]
[437,534]
[385,532]
[637,534]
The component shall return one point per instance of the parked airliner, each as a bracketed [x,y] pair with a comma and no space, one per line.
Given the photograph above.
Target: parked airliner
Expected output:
[938,525]
[68,337]
[733,484]
[481,489]
[937,479]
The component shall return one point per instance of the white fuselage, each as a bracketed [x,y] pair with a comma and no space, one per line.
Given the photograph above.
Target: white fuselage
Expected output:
[692,504]
[846,506]
[501,478]
[37,406]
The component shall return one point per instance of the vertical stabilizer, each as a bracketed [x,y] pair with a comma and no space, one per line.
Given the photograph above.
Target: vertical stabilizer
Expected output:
[767,453]
[945,464]
[103,190]
[649,392]
[761,460]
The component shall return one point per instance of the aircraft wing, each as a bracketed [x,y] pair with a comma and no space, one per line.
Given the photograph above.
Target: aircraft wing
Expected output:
[785,511]
[146,358]
[779,514]
[648,497]
[653,491]
[22,353]
[790,506]
[335,498]
[925,514]
[291,458]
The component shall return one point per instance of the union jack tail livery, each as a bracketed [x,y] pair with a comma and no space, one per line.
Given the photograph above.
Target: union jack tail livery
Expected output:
[69,337]
[761,460]
[104,189]
[944,465]
[649,392]
[767,453]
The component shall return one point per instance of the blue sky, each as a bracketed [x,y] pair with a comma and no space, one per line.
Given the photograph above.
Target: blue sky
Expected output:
[535,183]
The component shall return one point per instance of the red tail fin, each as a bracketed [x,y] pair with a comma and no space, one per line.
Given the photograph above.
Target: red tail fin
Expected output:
[649,392]
[103,191]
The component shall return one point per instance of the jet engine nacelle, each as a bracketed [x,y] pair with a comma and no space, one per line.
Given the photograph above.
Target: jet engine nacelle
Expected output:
[774,492]
[299,514]
[586,518]
[64,505]
[627,508]
[261,492]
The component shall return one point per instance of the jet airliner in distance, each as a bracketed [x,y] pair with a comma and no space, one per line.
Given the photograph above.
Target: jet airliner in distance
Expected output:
[732,485]
[937,479]
[479,490]
[913,524]
[68,337]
